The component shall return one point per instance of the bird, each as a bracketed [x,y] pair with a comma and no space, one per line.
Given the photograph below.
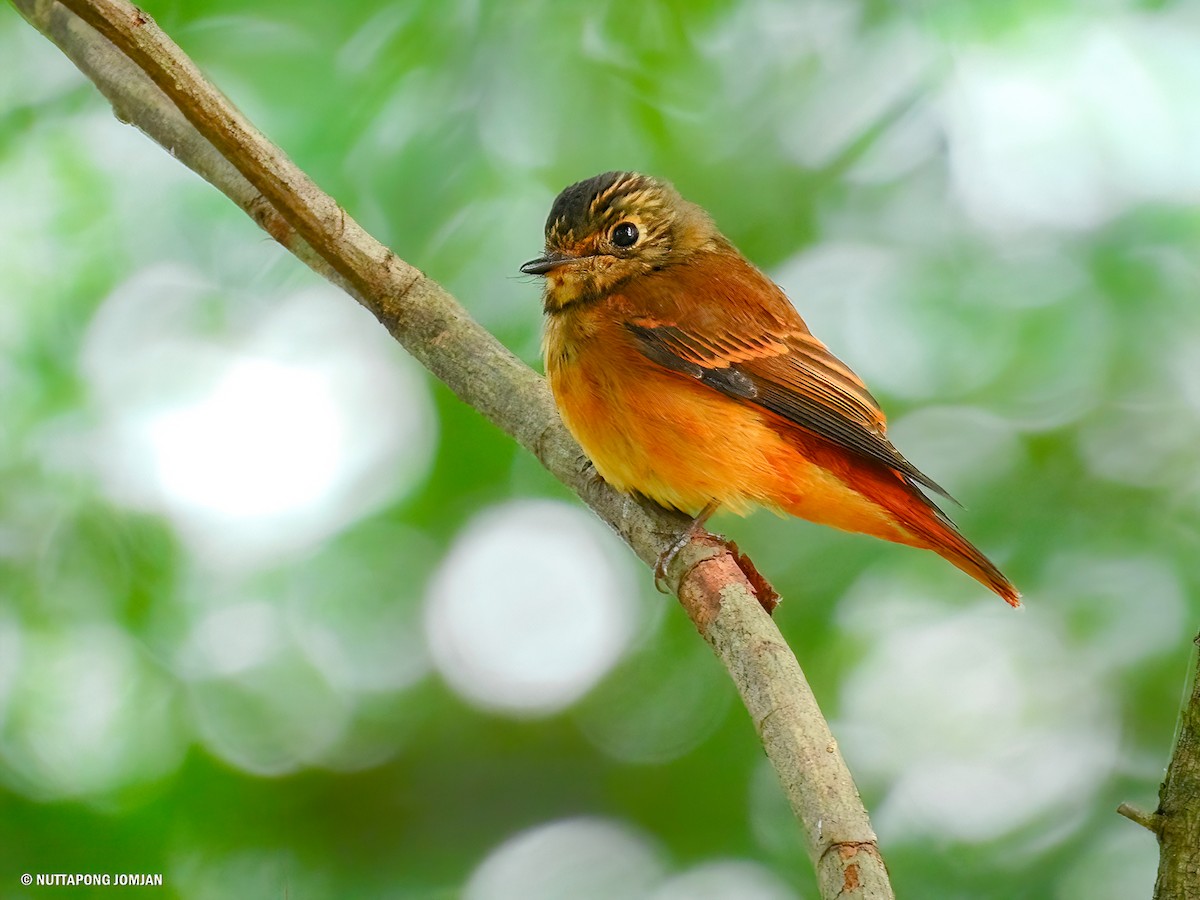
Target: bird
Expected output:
[687,376]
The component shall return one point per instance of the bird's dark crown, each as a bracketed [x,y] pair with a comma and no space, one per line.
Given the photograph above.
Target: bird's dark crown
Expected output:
[591,205]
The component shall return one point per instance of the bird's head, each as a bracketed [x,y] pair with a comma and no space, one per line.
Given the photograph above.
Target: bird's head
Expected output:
[613,227]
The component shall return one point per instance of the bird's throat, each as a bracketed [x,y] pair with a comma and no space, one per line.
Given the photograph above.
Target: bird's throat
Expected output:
[571,294]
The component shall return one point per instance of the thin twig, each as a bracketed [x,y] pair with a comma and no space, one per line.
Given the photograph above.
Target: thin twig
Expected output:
[1149,821]
[152,84]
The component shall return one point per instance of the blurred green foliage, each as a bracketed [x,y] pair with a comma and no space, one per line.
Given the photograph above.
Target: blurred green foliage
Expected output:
[987,209]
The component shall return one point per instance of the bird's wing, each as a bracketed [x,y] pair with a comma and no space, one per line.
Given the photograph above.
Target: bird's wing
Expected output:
[787,371]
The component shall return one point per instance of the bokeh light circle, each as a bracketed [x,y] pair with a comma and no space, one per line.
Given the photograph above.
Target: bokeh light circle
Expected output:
[584,859]
[532,605]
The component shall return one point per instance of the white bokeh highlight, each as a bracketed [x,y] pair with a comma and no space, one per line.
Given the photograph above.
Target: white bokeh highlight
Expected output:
[291,440]
[275,686]
[88,716]
[275,717]
[260,441]
[533,604]
[580,859]
[231,640]
[974,722]
[1074,121]
[726,879]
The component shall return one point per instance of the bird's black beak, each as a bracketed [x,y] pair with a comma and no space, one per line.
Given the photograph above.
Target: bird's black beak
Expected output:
[546,263]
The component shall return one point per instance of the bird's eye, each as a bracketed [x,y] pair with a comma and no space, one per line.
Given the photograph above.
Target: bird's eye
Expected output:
[625,234]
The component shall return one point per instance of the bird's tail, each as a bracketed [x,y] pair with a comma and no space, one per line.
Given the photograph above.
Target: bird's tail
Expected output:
[956,549]
[881,501]
[936,532]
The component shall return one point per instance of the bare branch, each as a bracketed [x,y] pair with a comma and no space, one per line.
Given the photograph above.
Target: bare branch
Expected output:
[155,86]
[1178,814]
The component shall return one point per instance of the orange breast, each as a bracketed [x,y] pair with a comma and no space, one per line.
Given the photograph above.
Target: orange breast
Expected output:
[683,444]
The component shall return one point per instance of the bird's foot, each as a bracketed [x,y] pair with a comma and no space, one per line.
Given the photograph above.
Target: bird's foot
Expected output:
[588,470]
[766,595]
[665,558]
[692,532]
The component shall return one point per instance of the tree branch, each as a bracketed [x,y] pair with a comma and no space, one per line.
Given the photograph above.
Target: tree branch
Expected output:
[1149,821]
[1177,819]
[152,84]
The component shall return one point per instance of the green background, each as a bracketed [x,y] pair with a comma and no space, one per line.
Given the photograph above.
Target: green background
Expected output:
[258,573]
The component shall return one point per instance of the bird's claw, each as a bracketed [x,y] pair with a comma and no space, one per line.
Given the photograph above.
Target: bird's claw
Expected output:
[668,556]
[664,560]
[694,530]
[588,470]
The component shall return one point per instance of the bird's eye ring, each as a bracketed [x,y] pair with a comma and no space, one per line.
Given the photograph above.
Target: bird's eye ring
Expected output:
[625,234]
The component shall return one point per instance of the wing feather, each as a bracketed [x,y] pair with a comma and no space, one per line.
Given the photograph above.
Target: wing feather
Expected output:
[791,374]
